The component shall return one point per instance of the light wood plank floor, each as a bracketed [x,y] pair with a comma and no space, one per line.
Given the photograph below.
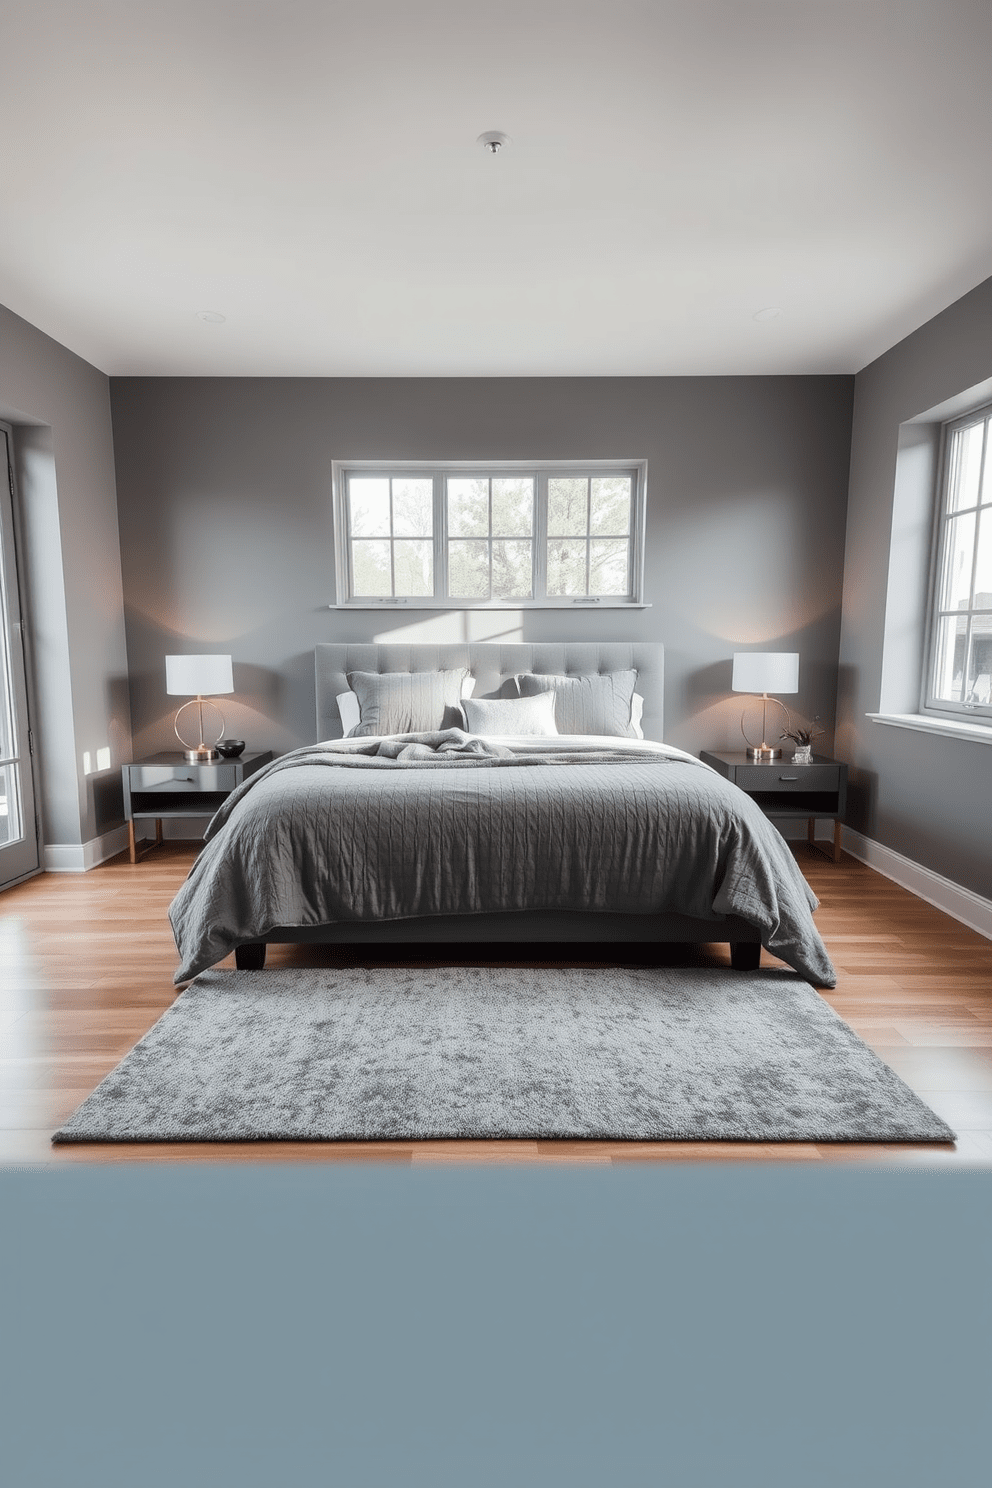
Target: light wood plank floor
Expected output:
[86,966]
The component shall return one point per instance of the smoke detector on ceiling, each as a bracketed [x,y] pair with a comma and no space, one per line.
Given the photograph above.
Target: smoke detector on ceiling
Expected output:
[493,140]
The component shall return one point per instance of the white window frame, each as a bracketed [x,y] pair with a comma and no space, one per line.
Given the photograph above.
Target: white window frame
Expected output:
[930,704]
[440,471]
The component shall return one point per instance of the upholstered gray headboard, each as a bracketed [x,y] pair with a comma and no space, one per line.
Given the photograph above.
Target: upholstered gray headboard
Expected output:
[493,666]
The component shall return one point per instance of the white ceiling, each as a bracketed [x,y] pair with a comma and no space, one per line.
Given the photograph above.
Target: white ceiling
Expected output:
[309,169]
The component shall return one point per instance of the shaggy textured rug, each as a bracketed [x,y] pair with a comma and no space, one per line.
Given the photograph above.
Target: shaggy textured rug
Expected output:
[656,1054]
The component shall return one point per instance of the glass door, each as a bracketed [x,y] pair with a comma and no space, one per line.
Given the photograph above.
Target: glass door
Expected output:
[18,828]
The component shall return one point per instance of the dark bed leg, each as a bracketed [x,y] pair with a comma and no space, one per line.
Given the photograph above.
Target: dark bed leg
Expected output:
[745,955]
[250,956]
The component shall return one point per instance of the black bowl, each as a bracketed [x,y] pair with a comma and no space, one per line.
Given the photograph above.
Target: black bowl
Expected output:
[230,748]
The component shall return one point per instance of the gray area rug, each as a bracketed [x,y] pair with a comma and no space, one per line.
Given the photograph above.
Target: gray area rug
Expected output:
[398,1053]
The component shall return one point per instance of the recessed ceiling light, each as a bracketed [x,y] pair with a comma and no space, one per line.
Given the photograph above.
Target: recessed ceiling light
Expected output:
[771,312]
[212,317]
[493,141]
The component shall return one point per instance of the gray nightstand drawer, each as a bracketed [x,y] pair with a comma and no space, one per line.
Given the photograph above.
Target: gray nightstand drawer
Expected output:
[783,778]
[222,776]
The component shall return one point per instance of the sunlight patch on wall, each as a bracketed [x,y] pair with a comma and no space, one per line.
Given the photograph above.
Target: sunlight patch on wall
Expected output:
[102,761]
[502,626]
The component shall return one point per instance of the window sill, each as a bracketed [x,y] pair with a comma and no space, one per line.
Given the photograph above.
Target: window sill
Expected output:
[948,728]
[433,606]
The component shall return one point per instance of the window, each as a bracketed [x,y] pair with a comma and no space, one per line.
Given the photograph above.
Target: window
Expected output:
[473,535]
[959,675]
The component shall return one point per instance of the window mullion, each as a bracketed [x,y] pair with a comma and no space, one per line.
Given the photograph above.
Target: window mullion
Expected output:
[391,548]
[440,537]
[966,667]
[539,560]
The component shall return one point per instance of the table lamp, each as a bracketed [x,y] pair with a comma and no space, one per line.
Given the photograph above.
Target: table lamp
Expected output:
[196,677]
[764,672]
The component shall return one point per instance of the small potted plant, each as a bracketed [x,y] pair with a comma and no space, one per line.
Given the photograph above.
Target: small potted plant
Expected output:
[802,737]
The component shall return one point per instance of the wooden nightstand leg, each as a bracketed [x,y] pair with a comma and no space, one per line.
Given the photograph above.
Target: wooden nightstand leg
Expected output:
[132,840]
[811,838]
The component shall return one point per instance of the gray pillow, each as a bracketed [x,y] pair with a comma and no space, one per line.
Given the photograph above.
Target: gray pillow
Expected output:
[598,704]
[494,718]
[407,702]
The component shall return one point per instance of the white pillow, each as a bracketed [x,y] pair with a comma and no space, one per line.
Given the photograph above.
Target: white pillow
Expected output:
[350,710]
[496,718]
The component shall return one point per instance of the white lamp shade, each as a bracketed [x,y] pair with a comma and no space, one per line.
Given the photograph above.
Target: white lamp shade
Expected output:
[198,676]
[766,671]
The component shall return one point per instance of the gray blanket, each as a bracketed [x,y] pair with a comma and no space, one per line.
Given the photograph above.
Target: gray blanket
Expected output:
[444,824]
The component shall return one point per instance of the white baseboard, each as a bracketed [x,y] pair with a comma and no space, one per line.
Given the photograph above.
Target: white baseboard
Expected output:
[79,857]
[960,903]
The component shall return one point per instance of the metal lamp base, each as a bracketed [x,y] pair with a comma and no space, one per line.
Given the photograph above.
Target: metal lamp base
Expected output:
[203,755]
[764,751]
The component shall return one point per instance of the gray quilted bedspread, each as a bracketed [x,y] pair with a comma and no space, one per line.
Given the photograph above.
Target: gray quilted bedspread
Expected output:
[437,825]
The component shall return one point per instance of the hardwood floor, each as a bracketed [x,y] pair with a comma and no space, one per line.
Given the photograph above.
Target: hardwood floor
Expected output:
[86,966]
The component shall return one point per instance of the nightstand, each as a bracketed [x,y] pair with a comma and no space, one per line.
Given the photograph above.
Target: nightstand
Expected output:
[166,785]
[780,788]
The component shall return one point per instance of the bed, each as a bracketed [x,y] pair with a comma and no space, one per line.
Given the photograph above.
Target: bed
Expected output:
[448,835]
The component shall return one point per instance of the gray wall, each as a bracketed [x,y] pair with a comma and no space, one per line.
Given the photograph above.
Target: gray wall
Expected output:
[227,538]
[60,408]
[927,797]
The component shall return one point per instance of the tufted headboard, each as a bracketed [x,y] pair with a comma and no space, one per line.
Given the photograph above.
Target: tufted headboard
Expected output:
[493,666]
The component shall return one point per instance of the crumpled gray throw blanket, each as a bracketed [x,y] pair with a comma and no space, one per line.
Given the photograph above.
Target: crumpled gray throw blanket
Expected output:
[445,823]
